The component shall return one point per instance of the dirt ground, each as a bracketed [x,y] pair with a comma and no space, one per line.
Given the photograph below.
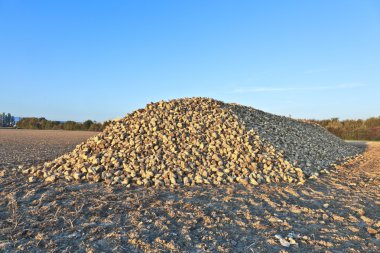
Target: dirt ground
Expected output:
[22,146]
[337,212]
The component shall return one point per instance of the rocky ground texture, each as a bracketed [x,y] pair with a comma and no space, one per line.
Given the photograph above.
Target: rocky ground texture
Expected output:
[197,141]
[335,212]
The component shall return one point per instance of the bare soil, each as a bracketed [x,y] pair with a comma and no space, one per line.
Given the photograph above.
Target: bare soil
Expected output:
[23,146]
[337,212]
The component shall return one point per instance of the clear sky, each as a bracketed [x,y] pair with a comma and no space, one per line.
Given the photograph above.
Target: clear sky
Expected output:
[78,60]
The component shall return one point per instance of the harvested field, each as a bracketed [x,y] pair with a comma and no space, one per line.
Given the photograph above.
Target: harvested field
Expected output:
[336,212]
[19,146]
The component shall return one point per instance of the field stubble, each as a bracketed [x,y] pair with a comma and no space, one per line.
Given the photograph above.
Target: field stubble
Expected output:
[339,211]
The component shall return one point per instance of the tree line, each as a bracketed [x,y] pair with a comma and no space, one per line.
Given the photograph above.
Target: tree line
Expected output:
[7,120]
[368,129]
[44,124]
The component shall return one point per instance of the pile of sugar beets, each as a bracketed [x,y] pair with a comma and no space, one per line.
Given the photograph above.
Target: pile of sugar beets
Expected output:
[193,141]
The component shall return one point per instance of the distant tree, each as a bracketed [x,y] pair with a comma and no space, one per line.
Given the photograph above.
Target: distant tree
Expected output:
[372,122]
[70,125]
[87,124]
[106,123]
[42,123]
[96,127]
[7,120]
[353,129]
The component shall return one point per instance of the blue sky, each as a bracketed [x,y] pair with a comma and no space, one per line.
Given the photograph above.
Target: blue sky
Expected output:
[78,60]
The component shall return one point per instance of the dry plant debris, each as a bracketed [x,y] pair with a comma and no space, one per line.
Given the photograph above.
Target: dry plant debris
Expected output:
[338,212]
[196,141]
